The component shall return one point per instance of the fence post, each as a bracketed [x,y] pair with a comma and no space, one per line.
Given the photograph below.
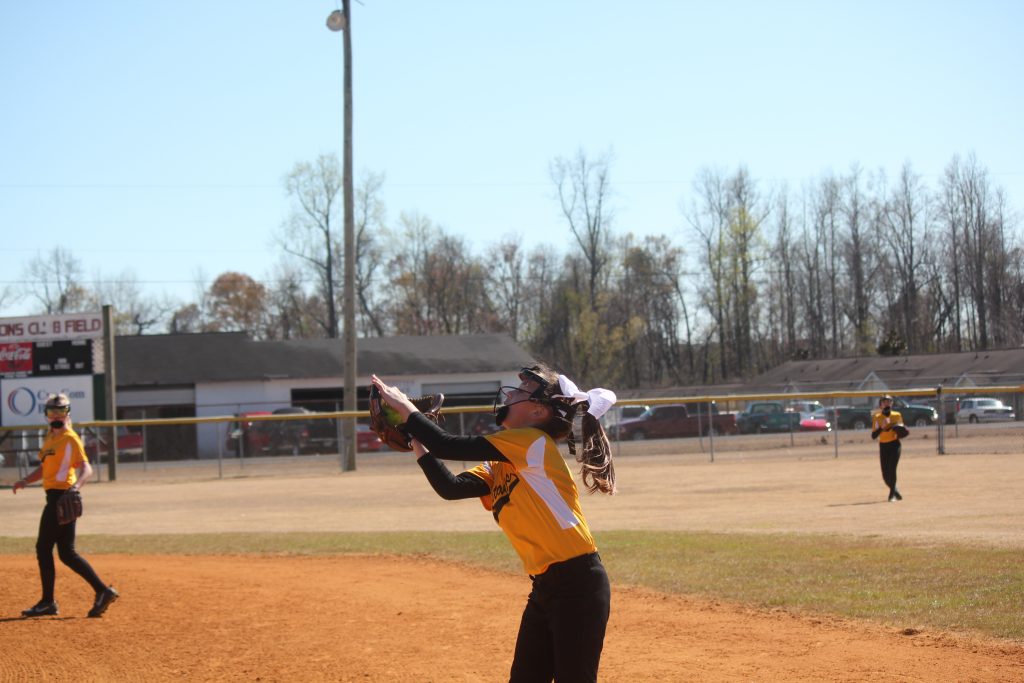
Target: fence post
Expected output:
[942,420]
[711,430]
[338,436]
[221,438]
[700,425]
[98,470]
[835,416]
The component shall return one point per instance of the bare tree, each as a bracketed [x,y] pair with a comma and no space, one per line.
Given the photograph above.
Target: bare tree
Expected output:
[583,192]
[783,296]
[649,305]
[314,233]
[507,282]
[973,213]
[289,306]
[544,320]
[746,214]
[54,279]
[371,231]
[728,220]
[859,257]
[907,234]
[134,312]
[437,286]
[709,217]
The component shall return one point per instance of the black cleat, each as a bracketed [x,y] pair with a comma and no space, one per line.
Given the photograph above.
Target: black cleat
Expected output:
[892,496]
[41,609]
[896,493]
[103,601]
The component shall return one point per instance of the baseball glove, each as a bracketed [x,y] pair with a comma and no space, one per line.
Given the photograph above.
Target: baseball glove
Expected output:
[901,431]
[69,506]
[385,421]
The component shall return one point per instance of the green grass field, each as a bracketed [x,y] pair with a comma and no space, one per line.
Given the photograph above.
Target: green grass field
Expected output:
[947,587]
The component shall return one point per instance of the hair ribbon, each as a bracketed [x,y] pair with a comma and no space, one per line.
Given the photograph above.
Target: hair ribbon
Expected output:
[600,399]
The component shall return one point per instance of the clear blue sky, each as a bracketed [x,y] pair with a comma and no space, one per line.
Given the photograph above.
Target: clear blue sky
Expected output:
[154,136]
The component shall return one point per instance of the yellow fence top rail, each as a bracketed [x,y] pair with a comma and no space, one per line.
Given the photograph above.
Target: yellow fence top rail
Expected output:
[716,398]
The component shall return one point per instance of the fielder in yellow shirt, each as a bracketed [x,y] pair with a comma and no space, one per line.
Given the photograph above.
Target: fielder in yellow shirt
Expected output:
[64,468]
[526,485]
[887,426]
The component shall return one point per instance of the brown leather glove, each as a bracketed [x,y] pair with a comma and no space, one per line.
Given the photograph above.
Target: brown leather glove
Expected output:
[69,506]
[385,421]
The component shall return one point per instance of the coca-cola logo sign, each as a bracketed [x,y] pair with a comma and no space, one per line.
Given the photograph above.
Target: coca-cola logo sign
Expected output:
[16,358]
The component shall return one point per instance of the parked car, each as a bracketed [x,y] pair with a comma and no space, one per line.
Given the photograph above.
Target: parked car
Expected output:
[976,410]
[850,417]
[266,437]
[322,432]
[951,404]
[915,414]
[619,413]
[819,421]
[767,416]
[672,421]
[129,442]
[367,439]
[805,408]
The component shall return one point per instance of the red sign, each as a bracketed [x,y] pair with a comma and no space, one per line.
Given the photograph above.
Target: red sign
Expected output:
[16,359]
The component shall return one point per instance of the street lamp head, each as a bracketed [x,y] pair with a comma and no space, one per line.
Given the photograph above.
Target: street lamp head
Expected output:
[336,20]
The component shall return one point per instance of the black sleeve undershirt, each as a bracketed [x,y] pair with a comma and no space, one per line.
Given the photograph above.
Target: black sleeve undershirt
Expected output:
[444,446]
[447,446]
[451,486]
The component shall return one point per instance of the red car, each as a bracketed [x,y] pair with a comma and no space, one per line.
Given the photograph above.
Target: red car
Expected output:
[129,441]
[817,422]
[324,437]
[267,437]
[367,439]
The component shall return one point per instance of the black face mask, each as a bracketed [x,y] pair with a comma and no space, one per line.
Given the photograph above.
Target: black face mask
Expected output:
[57,424]
[500,415]
[886,411]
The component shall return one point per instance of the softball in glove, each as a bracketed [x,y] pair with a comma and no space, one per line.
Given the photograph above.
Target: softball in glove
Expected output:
[388,425]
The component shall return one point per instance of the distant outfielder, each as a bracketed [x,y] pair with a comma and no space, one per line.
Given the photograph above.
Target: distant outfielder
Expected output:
[524,482]
[887,426]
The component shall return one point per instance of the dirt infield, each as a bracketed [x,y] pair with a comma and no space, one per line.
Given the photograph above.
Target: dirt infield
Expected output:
[281,618]
[385,619]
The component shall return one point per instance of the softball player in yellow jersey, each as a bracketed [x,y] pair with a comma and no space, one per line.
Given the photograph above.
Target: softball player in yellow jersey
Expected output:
[63,465]
[885,426]
[526,485]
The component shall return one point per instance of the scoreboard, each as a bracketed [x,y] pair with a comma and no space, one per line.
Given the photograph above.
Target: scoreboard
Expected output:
[40,355]
[46,358]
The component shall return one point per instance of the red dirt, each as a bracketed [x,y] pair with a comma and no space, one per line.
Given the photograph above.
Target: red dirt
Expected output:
[286,618]
[399,619]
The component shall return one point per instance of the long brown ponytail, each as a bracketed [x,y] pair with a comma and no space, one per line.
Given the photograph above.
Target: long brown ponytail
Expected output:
[573,422]
[595,453]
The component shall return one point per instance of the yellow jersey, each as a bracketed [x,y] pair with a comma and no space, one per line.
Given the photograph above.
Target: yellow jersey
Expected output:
[880,421]
[534,500]
[59,458]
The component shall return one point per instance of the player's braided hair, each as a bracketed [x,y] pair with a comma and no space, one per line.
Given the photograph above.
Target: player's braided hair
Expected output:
[583,432]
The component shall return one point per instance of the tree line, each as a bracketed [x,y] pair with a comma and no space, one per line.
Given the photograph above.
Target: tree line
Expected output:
[846,265]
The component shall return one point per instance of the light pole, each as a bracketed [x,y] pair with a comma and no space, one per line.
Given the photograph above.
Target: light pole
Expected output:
[341,20]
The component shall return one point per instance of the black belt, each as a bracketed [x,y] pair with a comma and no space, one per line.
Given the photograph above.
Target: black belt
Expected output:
[571,565]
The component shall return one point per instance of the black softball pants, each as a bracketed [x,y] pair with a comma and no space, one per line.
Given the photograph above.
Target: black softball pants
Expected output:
[889,455]
[63,536]
[561,634]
